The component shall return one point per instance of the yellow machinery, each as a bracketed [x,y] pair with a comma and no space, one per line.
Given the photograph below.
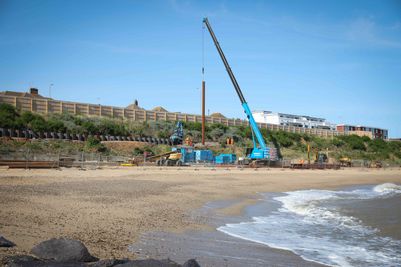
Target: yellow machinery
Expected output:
[320,157]
[175,156]
[375,164]
[132,162]
[345,162]
[173,159]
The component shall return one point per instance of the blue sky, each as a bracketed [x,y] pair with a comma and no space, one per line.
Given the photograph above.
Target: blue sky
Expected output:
[340,60]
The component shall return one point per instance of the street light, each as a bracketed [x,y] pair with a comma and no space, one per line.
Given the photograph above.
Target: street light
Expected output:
[50,90]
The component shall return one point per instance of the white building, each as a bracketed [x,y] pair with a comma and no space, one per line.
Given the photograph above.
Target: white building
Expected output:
[292,120]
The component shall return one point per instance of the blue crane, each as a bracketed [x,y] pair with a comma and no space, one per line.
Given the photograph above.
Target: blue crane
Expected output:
[259,151]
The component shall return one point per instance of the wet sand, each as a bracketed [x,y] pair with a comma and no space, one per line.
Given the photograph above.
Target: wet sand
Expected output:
[110,209]
[214,248]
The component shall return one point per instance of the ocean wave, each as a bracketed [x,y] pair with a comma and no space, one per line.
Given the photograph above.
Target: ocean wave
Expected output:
[309,225]
[388,188]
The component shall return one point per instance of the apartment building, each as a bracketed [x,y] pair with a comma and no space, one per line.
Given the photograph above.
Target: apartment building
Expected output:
[372,132]
[292,120]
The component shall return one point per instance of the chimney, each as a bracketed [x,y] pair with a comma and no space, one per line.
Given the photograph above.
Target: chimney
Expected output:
[34,91]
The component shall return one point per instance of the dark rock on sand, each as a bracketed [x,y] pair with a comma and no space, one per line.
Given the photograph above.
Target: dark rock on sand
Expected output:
[62,250]
[107,263]
[20,261]
[191,263]
[5,243]
[150,263]
[29,261]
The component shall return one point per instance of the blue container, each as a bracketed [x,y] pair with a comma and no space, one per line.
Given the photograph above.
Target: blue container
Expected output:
[203,155]
[188,154]
[225,159]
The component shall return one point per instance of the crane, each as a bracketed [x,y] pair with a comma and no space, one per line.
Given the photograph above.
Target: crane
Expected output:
[260,151]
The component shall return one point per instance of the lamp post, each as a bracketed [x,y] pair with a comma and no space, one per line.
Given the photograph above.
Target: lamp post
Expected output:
[50,90]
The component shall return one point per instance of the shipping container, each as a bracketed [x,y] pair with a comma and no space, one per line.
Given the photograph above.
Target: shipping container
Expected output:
[203,155]
[225,159]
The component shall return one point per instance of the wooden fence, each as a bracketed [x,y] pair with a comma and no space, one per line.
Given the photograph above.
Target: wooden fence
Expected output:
[48,106]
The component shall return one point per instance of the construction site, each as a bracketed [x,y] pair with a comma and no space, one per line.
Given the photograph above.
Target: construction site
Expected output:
[160,182]
[179,148]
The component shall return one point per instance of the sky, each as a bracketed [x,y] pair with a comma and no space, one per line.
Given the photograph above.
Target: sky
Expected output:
[339,60]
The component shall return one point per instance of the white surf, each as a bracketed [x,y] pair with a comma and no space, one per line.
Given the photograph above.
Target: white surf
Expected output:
[307,224]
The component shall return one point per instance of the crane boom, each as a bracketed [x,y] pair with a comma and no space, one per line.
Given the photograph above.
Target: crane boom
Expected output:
[257,152]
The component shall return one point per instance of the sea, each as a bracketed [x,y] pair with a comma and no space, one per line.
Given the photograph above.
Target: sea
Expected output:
[355,226]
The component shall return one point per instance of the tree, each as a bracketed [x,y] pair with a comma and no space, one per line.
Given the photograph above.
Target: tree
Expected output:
[38,124]
[8,116]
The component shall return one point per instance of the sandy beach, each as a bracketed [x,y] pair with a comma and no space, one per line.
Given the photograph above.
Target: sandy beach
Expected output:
[110,209]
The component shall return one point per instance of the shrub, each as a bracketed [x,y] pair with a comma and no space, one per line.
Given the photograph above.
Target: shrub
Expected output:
[38,124]
[137,151]
[338,142]
[89,127]
[245,131]
[216,133]
[197,126]
[284,139]
[163,134]
[8,116]
[55,125]
[27,117]
[354,142]
[212,126]
[94,144]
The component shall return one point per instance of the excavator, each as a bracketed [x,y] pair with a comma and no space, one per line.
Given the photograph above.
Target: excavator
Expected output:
[319,157]
[259,155]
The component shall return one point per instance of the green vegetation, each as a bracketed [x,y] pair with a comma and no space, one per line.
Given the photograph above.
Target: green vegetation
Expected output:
[290,145]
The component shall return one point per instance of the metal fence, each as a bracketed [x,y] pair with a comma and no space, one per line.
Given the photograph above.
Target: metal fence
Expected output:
[82,160]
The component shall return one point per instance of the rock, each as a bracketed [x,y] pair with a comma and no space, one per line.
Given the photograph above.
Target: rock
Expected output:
[46,264]
[20,260]
[150,263]
[5,243]
[62,250]
[107,263]
[191,263]
[29,261]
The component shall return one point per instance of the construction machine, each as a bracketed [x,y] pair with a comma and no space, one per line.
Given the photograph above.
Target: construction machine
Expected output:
[173,159]
[345,162]
[178,156]
[375,164]
[260,153]
[321,158]
[178,135]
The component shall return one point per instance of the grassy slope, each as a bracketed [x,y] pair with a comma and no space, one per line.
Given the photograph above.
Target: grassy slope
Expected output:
[291,145]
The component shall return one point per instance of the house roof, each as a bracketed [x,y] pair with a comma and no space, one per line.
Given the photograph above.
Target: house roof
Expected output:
[159,109]
[22,94]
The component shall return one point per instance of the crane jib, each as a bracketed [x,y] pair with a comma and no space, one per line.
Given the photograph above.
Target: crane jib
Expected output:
[223,58]
[247,110]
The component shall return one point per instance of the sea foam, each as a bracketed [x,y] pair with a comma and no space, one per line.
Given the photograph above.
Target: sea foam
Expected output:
[310,224]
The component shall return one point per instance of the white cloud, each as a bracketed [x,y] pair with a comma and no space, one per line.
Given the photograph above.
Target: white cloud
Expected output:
[367,31]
